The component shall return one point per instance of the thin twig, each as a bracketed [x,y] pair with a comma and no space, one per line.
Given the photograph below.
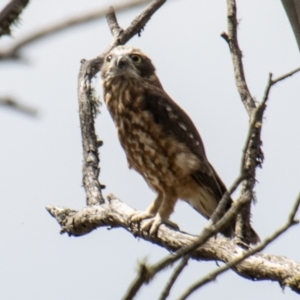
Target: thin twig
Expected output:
[221,208]
[177,271]
[136,26]
[10,15]
[112,22]
[213,275]
[282,77]
[17,106]
[13,52]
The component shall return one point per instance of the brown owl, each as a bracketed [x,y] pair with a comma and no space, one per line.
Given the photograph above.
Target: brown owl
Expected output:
[160,140]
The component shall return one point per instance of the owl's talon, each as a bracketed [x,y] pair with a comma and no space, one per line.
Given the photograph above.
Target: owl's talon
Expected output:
[138,217]
[153,224]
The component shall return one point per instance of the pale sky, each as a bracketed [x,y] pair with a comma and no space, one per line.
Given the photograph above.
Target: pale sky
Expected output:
[41,159]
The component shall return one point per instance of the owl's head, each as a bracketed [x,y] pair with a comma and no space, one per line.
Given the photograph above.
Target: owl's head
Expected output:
[127,62]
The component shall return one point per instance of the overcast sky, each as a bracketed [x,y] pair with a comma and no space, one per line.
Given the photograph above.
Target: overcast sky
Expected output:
[41,159]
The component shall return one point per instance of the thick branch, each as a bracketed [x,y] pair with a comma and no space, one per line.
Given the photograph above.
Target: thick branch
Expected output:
[88,102]
[10,14]
[116,214]
[13,51]
[210,230]
[87,111]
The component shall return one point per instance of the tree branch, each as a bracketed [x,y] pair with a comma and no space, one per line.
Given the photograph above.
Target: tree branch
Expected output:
[177,271]
[213,275]
[209,230]
[13,52]
[17,106]
[115,214]
[112,22]
[88,103]
[10,14]
[253,155]
[236,55]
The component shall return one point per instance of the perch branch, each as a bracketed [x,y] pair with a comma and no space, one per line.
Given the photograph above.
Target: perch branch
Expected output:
[115,214]
[209,230]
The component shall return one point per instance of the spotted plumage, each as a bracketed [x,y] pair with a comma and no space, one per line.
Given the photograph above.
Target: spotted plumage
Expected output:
[159,139]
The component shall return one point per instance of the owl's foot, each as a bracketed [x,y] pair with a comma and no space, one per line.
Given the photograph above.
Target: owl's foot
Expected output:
[153,224]
[139,216]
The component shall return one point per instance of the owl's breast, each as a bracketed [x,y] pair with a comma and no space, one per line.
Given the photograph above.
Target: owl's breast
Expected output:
[155,154]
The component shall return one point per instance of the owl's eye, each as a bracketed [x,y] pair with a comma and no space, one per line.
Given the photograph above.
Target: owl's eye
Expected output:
[108,58]
[136,58]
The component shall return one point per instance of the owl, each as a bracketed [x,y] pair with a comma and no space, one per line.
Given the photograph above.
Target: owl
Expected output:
[160,141]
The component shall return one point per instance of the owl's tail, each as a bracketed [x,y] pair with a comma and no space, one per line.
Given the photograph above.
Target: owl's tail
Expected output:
[249,235]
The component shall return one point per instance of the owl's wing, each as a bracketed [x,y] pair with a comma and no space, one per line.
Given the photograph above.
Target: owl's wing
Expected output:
[177,123]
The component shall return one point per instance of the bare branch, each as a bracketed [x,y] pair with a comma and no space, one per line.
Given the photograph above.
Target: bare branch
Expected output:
[209,230]
[247,175]
[213,275]
[272,82]
[87,111]
[13,51]
[17,106]
[115,214]
[177,271]
[10,14]
[87,101]
[112,22]
[289,74]
[253,155]
[236,55]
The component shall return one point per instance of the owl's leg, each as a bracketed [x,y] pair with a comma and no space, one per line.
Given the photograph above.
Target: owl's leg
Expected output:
[162,215]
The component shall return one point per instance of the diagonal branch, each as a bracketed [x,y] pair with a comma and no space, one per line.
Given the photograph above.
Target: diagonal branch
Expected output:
[13,52]
[213,275]
[10,14]
[17,106]
[177,271]
[210,230]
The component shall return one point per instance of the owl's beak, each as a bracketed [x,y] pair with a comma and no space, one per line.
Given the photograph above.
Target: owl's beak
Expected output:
[120,62]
